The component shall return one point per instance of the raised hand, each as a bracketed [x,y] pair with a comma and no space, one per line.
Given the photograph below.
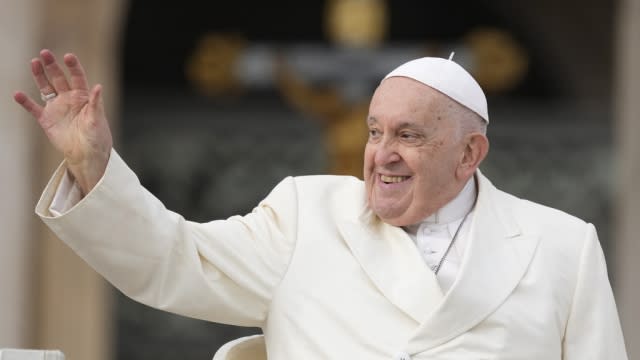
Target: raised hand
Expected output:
[72,116]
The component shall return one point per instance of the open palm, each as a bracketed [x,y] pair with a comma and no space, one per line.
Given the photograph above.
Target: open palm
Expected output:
[73,117]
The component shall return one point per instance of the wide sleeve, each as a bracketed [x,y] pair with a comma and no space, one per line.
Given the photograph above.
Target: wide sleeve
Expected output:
[223,271]
[593,330]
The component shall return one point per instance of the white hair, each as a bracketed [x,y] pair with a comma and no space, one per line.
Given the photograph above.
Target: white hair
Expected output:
[466,120]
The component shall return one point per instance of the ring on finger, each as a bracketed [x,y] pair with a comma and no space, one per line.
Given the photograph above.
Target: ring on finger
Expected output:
[47,97]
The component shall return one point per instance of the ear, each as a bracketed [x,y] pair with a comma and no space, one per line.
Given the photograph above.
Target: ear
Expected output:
[476,147]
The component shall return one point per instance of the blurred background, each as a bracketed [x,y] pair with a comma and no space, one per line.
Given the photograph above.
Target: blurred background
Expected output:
[214,102]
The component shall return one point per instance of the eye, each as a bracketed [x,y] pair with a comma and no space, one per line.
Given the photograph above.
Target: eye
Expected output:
[374,133]
[408,136]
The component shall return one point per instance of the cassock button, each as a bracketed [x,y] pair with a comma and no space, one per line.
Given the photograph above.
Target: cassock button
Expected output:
[402,356]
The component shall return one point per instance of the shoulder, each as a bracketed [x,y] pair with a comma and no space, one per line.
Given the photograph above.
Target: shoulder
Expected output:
[533,215]
[345,192]
[535,218]
[314,194]
[321,188]
[560,237]
[328,183]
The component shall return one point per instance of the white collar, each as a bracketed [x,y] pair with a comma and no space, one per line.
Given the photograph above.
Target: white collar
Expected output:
[454,210]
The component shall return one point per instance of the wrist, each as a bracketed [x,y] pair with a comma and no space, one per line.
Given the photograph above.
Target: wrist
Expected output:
[88,173]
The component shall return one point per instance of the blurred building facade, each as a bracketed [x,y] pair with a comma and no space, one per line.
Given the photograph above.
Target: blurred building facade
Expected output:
[218,103]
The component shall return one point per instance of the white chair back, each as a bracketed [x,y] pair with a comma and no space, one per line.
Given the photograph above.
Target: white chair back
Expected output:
[29,354]
[245,348]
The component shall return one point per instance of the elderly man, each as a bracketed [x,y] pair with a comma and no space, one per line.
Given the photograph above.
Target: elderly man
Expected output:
[425,259]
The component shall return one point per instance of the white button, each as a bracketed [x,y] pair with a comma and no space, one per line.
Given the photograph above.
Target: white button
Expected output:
[402,356]
[428,251]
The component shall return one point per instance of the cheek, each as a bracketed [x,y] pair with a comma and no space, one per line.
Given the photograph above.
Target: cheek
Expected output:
[420,162]
[435,175]
[368,158]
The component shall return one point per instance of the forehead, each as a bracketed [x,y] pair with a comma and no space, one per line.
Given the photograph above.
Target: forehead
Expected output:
[400,99]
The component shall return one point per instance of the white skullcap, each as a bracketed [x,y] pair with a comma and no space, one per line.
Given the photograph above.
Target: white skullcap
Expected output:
[449,78]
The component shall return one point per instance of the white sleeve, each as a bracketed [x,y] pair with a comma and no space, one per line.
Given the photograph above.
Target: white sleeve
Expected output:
[593,329]
[66,195]
[224,271]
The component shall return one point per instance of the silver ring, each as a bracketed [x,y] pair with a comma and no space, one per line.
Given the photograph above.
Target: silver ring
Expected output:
[47,97]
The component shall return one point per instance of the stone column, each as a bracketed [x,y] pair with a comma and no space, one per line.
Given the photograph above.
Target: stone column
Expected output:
[74,303]
[18,36]
[627,102]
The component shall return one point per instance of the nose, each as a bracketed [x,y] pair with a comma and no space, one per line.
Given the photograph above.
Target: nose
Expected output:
[386,153]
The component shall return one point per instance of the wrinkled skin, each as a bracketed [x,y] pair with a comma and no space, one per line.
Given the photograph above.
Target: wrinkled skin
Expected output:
[417,157]
[74,121]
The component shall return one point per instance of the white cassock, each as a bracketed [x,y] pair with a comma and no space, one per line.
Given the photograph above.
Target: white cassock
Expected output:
[326,279]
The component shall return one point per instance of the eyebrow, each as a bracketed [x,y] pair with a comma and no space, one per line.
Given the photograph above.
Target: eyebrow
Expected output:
[404,125]
[408,125]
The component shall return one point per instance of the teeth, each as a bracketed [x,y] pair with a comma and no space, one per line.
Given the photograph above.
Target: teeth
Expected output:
[393,179]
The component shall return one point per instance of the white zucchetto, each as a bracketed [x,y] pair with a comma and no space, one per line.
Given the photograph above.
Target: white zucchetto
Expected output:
[447,77]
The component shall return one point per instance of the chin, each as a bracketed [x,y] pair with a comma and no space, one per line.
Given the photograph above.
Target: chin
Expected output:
[391,217]
[395,222]
[398,221]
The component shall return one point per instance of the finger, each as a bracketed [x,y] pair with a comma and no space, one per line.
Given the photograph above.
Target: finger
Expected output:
[77,78]
[55,74]
[95,98]
[28,104]
[40,78]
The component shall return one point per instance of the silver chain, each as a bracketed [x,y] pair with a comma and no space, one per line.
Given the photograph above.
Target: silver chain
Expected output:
[436,267]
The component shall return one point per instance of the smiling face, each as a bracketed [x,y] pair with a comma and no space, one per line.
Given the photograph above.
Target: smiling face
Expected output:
[414,152]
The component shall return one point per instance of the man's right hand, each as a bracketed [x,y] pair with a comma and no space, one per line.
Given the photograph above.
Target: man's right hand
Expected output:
[73,120]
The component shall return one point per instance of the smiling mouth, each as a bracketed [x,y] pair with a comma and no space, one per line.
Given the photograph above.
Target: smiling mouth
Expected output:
[393,179]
